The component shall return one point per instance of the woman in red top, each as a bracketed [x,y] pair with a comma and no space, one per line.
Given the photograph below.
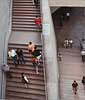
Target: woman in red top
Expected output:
[37,21]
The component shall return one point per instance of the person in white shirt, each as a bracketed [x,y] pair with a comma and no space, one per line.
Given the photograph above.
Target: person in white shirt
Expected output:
[25,79]
[70,43]
[12,54]
[66,43]
[67,16]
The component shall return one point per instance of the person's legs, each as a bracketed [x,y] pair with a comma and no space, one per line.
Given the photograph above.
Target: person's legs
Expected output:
[22,59]
[75,90]
[15,60]
[35,64]
[36,3]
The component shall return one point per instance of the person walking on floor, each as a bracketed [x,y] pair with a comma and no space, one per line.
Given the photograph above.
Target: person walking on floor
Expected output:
[70,43]
[66,43]
[83,80]
[75,86]
[67,16]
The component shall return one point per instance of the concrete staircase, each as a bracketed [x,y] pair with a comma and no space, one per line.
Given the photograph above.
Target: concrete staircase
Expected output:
[15,88]
[23,14]
[71,68]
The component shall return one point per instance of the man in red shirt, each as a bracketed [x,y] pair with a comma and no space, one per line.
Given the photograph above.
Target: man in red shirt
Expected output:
[37,21]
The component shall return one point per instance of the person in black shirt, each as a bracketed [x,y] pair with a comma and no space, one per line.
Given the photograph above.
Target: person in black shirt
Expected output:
[83,80]
[36,53]
[36,3]
[75,85]
[20,56]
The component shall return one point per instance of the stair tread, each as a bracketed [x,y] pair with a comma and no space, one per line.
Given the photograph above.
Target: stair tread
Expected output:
[25,90]
[23,96]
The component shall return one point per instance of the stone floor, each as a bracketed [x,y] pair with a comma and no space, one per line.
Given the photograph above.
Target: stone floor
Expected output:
[71,67]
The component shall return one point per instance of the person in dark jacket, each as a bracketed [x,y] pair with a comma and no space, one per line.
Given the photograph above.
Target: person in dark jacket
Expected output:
[20,56]
[36,53]
[75,85]
[36,3]
[25,79]
[83,80]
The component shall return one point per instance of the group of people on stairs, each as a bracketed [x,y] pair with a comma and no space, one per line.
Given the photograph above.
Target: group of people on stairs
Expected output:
[17,57]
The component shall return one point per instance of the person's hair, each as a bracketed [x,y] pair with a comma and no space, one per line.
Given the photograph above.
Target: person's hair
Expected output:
[35,47]
[83,77]
[22,74]
[74,81]
[36,16]
[30,42]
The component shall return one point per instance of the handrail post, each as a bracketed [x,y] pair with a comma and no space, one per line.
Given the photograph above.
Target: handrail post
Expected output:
[50,52]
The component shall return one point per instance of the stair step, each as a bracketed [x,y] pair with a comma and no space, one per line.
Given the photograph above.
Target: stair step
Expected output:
[22,1]
[23,26]
[24,17]
[32,81]
[21,85]
[26,8]
[21,6]
[30,77]
[24,96]
[15,44]
[26,71]
[25,11]
[25,90]
[23,30]
[26,67]
[28,14]
[26,59]
[27,64]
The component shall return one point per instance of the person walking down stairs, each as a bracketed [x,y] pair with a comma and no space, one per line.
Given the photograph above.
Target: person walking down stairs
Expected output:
[35,2]
[36,54]
[20,56]
[25,80]
[37,22]
[13,55]
[31,47]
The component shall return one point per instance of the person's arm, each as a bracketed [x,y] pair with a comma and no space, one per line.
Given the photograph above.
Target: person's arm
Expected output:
[25,78]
